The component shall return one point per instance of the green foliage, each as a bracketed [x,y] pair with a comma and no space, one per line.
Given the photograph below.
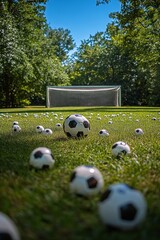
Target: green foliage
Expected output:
[40,203]
[127,53]
[15,68]
[33,55]
[139,27]
[62,42]
[30,58]
[98,2]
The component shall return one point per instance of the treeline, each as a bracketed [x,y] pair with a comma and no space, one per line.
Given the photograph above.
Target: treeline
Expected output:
[33,55]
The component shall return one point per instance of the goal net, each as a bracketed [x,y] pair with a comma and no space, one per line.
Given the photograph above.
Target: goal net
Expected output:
[83,96]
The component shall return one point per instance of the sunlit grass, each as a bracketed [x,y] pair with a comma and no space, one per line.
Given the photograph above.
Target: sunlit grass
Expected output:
[40,202]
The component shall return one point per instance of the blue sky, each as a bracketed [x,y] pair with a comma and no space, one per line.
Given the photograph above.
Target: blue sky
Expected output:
[82,17]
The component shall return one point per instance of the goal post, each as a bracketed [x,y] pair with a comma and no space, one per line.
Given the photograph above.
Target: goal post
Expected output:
[71,96]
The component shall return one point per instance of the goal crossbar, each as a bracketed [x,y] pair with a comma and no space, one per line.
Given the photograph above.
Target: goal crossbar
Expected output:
[57,96]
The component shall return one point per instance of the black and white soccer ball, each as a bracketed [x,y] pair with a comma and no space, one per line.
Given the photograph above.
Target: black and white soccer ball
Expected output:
[86,181]
[76,125]
[16,128]
[39,129]
[103,133]
[47,131]
[15,123]
[138,131]
[120,148]
[122,207]
[8,229]
[58,125]
[41,158]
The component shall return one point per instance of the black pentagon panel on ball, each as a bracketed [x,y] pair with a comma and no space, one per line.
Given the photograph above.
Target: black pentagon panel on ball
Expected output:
[73,175]
[114,146]
[128,212]
[78,115]
[113,228]
[68,134]
[38,154]
[72,124]
[105,195]
[92,182]
[45,166]
[80,134]
[124,152]
[5,236]
[101,133]
[86,124]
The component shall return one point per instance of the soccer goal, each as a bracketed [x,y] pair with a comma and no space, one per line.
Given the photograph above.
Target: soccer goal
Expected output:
[58,96]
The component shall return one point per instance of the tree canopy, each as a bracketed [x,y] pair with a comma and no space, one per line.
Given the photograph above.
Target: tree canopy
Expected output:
[127,53]
[33,55]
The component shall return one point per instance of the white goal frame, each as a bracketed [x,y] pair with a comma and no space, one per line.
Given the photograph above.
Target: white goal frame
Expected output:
[60,96]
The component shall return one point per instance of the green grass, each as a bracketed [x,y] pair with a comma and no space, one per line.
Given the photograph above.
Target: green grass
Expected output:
[40,203]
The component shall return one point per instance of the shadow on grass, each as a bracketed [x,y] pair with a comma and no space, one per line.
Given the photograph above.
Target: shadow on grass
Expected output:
[33,109]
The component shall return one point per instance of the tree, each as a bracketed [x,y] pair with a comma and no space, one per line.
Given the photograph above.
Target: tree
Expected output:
[28,54]
[137,31]
[87,67]
[14,64]
[62,42]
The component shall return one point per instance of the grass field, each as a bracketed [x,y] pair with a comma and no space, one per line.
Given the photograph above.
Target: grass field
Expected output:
[40,203]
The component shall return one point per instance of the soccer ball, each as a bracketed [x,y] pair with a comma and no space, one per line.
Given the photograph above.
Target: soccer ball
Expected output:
[16,128]
[15,123]
[58,125]
[47,131]
[39,129]
[86,181]
[76,125]
[8,229]
[120,148]
[103,133]
[122,207]
[41,158]
[139,131]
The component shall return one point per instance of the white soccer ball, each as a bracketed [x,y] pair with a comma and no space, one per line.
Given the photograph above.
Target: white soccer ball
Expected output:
[99,118]
[58,125]
[122,207]
[138,131]
[103,133]
[86,181]
[41,158]
[76,125]
[47,131]
[8,229]
[120,148]
[15,123]
[39,129]
[16,128]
